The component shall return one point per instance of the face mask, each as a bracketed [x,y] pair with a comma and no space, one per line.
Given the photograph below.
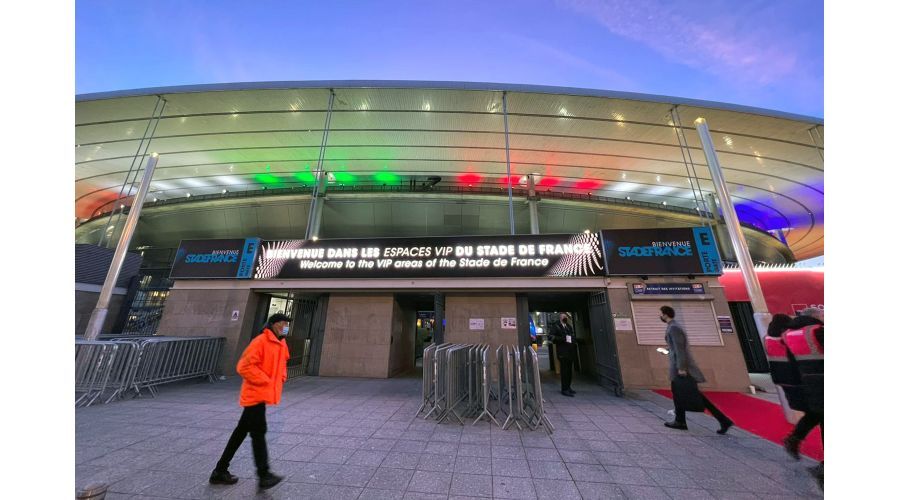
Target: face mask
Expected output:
[662,318]
[284,331]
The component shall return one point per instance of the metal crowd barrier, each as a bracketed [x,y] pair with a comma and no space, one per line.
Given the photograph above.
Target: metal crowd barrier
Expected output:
[111,369]
[459,382]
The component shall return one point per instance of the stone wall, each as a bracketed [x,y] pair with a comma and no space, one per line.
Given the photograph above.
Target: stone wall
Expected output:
[357,339]
[199,313]
[645,368]
[489,307]
[85,302]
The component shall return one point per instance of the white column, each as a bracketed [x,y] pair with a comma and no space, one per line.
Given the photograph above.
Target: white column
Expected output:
[98,317]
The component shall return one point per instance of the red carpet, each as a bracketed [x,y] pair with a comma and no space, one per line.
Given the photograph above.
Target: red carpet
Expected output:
[761,418]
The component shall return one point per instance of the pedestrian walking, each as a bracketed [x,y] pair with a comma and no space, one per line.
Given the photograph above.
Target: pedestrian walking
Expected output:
[563,337]
[263,366]
[806,346]
[681,364]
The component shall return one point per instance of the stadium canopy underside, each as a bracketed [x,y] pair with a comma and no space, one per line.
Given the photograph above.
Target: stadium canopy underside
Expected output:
[232,145]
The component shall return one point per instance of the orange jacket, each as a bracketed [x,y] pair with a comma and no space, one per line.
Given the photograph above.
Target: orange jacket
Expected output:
[264,369]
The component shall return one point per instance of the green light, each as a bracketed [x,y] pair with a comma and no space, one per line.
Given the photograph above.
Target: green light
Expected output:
[267,179]
[305,177]
[344,177]
[387,177]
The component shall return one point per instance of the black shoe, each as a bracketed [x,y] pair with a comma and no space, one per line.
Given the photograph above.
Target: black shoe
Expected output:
[792,447]
[724,427]
[572,391]
[269,480]
[676,425]
[222,477]
[567,393]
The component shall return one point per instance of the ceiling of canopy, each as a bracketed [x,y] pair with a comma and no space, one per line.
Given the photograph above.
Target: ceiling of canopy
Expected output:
[246,137]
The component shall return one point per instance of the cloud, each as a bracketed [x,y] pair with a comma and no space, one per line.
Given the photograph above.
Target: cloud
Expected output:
[610,78]
[734,40]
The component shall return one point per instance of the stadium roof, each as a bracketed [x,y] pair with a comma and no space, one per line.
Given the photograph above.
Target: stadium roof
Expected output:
[250,136]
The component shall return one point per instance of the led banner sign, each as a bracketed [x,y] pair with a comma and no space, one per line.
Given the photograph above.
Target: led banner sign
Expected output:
[667,289]
[561,255]
[215,259]
[666,251]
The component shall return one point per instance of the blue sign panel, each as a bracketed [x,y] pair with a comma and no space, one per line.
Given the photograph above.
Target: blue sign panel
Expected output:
[661,252]
[232,258]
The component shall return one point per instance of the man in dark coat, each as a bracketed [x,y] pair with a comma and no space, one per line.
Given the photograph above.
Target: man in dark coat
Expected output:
[681,364]
[563,337]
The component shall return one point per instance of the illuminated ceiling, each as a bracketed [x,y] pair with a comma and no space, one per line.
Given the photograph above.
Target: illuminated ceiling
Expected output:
[246,137]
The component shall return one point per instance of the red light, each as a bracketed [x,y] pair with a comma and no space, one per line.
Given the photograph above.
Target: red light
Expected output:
[588,184]
[548,181]
[515,180]
[469,178]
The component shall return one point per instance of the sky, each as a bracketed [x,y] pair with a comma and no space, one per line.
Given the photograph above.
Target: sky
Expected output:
[767,54]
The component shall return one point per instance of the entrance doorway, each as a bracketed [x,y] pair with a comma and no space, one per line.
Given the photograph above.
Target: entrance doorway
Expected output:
[304,339]
[597,355]
[418,315]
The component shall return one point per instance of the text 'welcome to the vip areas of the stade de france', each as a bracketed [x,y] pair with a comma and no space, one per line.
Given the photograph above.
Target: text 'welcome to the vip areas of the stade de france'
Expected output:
[462,256]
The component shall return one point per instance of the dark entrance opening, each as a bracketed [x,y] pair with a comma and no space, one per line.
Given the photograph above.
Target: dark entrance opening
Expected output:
[418,317]
[307,329]
[598,358]
[751,345]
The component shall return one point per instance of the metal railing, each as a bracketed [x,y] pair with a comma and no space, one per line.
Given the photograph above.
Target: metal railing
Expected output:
[462,381]
[106,370]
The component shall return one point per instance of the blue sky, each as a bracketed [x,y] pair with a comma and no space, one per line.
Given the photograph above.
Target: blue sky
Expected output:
[767,54]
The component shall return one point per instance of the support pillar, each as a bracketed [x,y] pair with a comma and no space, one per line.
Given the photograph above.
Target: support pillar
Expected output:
[512,222]
[314,208]
[318,204]
[533,199]
[98,317]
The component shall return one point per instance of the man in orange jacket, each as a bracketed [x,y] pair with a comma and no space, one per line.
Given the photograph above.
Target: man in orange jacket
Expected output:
[263,365]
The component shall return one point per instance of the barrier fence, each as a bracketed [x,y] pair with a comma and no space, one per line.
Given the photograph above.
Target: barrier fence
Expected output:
[106,370]
[461,381]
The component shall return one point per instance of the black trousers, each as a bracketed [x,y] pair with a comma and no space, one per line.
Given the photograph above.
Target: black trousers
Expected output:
[806,424]
[253,422]
[679,413]
[565,373]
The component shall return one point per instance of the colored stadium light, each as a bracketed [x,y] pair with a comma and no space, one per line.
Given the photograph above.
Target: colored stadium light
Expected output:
[548,181]
[267,179]
[516,179]
[469,178]
[588,184]
[387,177]
[307,177]
[344,178]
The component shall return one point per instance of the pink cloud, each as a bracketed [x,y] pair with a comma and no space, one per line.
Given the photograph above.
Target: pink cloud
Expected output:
[731,41]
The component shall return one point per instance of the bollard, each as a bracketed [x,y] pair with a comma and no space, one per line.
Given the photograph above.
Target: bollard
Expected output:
[96,491]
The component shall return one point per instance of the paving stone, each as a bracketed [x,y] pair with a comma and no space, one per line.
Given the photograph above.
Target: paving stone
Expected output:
[600,491]
[374,494]
[352,475]
[471,485]
[689,494]
[390,479]
[588,473]
[472,465]
[367,457]
[635,492]
[510,467]
[556,489]
[474,450]
[430,482]
[401,460]
[514,487]
[437,463]
[544,469]
[578,457]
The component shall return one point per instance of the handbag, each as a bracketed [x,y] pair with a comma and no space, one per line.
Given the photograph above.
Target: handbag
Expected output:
[686,394]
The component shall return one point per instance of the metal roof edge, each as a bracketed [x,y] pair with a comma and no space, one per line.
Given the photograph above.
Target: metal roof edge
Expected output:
[444,85]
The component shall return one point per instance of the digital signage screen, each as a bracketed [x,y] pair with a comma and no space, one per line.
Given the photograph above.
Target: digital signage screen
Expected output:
[232,258]
[560,255]
[664,251]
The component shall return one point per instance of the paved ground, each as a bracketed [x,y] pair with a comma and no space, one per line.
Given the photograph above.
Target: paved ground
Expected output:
[339,438]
